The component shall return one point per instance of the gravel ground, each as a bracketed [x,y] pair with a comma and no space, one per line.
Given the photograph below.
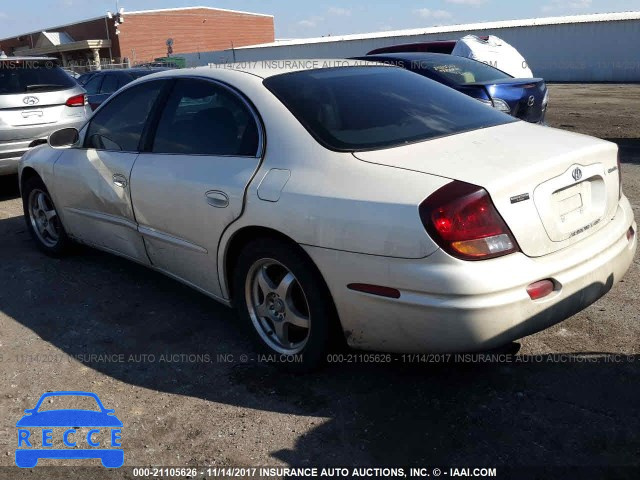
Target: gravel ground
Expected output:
[536,411]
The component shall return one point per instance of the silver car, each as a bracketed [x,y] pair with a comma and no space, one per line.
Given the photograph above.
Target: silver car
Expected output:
[37,97]
[366,203]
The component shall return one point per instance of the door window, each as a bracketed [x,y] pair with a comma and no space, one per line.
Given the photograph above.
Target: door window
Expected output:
[109,84]
[205,118]
[119,124]
[93,86]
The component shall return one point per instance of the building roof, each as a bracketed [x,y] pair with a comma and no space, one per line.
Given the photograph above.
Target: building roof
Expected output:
[527,22]
[58,38]
[161,10]
[138,12]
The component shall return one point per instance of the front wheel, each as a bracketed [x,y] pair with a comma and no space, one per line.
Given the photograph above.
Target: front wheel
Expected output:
[42,218]
[283,297]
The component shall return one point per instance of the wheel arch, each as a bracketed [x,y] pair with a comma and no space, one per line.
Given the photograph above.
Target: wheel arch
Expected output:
[238,241]
[27,174]
[241,238]
[246,234]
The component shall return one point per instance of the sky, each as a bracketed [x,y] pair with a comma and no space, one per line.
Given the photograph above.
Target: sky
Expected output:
[299,19]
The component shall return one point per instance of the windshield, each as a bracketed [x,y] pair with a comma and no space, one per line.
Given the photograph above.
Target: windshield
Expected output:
[69,402]
[24,76]
[460,70]
[364,108]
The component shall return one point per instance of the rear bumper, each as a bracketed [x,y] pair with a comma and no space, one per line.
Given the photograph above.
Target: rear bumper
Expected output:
[448,305]
[11,150]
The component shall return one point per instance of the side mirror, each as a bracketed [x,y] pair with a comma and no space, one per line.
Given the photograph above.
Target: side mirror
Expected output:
[29,410]
[64,138]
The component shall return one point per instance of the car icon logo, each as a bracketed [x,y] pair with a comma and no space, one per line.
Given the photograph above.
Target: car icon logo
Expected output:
[532,101]
[576,174]
[40,428]
[30,100]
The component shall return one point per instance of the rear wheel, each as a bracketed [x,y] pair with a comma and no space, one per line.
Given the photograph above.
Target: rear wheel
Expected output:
[42,218]
[286,303]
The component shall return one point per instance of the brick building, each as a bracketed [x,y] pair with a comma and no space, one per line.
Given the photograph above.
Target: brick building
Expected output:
[142,36]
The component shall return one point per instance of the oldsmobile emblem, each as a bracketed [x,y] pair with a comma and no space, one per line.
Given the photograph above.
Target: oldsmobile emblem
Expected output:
[577,174]
[532,101]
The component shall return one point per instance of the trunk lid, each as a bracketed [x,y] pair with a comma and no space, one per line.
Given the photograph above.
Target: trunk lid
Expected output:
[553,188]
[525,96]
[35,108]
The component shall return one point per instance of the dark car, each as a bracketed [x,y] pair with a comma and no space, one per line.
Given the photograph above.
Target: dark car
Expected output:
[104,83]
[523,98]
[438,46]
[85,77]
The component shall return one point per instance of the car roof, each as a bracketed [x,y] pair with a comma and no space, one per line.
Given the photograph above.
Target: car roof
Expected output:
[128,70]
[266,68]
[410,56]
[415,47]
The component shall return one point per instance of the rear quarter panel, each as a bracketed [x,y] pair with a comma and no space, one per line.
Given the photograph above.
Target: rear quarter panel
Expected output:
[331,200]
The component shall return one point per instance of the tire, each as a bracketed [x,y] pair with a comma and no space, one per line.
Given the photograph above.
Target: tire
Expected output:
[284,301]
[42,219]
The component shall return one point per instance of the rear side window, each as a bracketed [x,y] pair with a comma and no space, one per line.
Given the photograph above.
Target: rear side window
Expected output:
[119,124]
[93,85]
[18,76]
[109,84]
[460,70]
[205,118]
[365,108]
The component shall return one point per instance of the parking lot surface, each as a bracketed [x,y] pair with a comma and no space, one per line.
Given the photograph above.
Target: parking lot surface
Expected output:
[170,362]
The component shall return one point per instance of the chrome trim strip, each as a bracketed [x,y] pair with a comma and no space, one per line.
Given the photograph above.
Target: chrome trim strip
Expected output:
[104,217]
[164,237]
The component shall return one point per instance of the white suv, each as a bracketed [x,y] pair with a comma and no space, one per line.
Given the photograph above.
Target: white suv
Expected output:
[37,97]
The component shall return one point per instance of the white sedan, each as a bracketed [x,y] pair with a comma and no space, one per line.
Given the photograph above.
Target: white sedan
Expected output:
[353,201]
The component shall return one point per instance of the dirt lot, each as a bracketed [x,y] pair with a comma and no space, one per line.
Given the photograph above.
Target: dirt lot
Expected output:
[578,410]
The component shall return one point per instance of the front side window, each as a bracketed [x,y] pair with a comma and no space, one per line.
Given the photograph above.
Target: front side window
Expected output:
[119,124]
[205,118]
[372,107]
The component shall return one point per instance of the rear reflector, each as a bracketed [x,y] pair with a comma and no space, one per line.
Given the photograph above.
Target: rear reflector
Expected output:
[77,101]
[375,290]
[630,234]
[540,289]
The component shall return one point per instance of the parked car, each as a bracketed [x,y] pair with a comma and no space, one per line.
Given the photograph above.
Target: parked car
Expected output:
[487,49]
[104,83]
[85,77]
[524,98]
[359,202]
[36,98]
[72,73]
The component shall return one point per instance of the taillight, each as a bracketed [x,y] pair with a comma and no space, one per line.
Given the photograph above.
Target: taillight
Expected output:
[462,220]
[77,101]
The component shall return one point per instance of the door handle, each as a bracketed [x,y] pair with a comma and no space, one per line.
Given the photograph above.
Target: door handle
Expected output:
[119,180]
[217,199]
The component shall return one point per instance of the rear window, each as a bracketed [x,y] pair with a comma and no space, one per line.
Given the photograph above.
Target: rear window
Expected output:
[18,76]
[366,108]
[460,70]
